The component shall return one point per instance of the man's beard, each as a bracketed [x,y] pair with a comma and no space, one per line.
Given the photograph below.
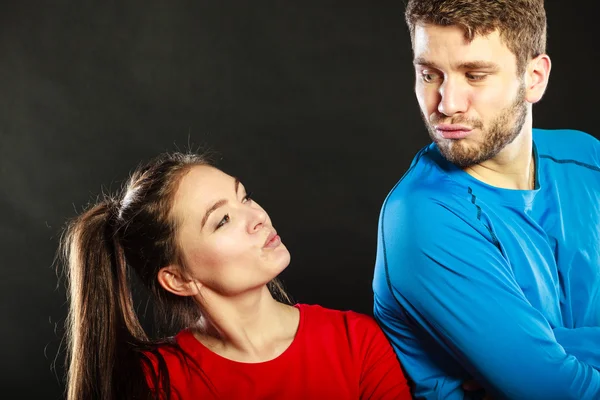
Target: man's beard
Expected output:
[502,131]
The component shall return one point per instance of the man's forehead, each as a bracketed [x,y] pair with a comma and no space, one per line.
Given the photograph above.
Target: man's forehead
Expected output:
[428,33]
[432,42]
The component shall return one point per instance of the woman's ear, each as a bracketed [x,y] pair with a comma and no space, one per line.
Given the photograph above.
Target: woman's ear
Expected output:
[173,279]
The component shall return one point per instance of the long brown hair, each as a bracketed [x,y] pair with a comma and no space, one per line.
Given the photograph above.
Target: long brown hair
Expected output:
[107,347]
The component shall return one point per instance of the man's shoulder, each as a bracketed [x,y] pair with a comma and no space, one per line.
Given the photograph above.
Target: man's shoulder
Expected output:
[556,136]
[567,146]
[431,183]
[423,177]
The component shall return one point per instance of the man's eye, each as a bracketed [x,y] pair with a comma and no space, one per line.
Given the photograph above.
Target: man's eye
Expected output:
[476,77]
[429,77]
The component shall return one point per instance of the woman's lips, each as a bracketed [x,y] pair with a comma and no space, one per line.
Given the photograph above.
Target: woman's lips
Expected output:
[273,240]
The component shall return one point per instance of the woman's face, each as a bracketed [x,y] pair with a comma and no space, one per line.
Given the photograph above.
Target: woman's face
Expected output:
[227,240]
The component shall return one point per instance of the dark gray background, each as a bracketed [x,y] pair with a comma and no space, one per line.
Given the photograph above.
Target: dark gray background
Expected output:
[310,103]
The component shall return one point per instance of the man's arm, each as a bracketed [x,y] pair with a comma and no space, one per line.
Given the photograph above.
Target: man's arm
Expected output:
[460,291]
[583,343]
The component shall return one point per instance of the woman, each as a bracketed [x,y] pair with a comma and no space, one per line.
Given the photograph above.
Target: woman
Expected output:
[209,256]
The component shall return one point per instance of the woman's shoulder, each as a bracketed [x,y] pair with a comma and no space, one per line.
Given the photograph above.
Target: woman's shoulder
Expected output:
[346,334]
[178,359]
[174,352]
[348,321]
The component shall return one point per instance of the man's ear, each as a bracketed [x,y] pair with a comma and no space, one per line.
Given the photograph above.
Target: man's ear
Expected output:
[173,279]
[536,78]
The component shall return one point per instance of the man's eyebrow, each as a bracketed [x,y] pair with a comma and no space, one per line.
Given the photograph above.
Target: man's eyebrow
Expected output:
[478,65]
[218,204]
[426,63]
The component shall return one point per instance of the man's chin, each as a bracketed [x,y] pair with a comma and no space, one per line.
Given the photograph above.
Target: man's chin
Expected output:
[460,159]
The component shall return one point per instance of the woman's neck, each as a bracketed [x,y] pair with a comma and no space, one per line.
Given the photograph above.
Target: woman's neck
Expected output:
[252,327]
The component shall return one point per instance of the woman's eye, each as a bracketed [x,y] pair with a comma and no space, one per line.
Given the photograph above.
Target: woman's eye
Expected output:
[247,197]
[223,221]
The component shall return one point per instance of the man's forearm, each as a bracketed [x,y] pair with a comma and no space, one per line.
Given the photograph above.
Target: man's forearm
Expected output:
[583,343]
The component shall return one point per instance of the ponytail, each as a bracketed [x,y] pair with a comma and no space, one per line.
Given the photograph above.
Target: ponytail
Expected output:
[103,331]
[109,356]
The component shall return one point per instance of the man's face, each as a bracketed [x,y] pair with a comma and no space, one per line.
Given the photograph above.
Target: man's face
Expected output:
[472,101]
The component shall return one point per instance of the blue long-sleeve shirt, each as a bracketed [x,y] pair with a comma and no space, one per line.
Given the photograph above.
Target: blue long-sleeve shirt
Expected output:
[497,285]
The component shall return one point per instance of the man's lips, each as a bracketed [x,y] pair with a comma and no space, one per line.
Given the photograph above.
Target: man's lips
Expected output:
[273,240]
[448,131]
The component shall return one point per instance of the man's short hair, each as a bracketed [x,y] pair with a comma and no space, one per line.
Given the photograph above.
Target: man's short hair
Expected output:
[520,23]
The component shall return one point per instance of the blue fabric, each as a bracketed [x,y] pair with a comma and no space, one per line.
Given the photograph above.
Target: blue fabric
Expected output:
[499,285]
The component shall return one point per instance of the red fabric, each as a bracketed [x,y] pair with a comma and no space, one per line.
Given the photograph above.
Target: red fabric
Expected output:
[335,355]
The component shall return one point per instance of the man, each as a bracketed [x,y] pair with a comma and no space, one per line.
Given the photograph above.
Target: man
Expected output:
[488,260]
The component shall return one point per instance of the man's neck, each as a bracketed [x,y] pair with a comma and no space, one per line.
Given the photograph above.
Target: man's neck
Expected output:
[512,168]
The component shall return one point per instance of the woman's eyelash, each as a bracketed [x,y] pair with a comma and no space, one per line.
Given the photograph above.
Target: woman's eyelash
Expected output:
[223,221]
[226,218]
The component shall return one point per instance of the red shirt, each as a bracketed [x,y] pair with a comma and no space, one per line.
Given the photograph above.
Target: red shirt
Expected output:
[334,355]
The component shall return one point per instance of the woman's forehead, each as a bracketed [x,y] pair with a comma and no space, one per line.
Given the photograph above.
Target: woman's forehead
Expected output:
[203,185]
